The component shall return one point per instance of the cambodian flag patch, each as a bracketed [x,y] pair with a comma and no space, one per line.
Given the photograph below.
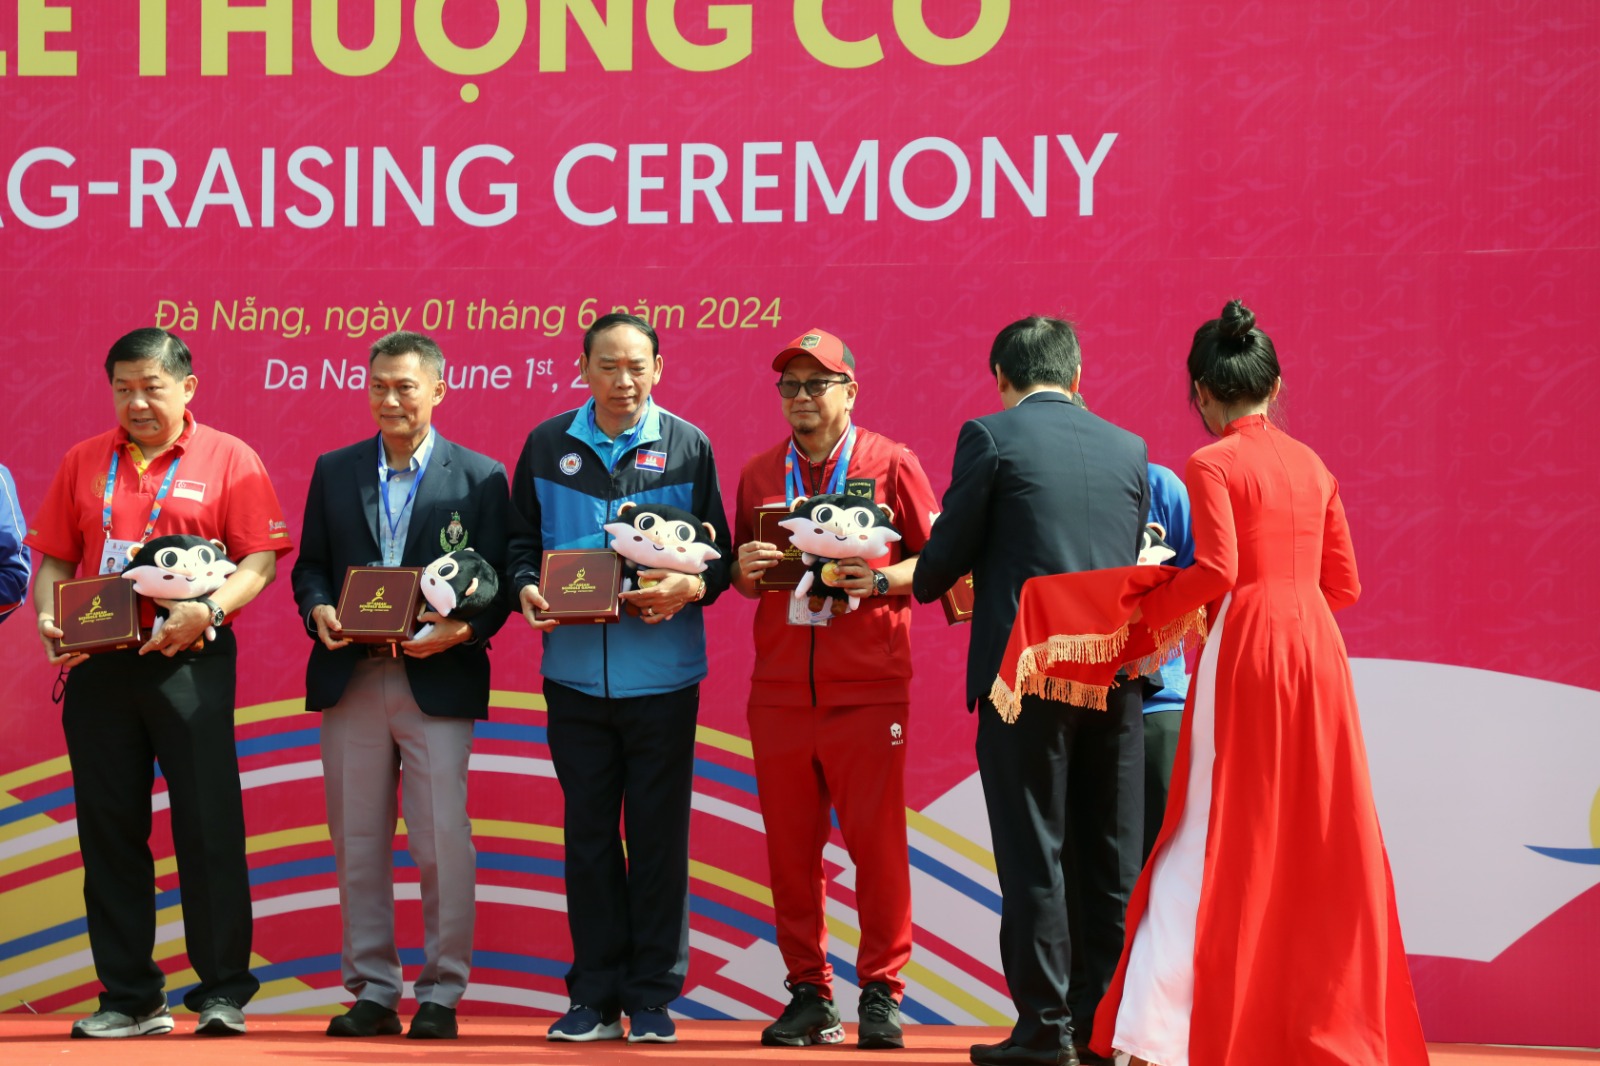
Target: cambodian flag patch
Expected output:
[647,460]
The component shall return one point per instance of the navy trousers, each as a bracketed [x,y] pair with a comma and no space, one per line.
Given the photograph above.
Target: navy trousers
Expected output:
[628,762]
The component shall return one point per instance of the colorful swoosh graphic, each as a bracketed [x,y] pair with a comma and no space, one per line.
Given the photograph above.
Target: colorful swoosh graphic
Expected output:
[519,963]
[1585,856]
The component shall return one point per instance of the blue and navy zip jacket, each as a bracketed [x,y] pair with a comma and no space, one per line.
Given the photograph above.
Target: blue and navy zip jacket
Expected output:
[569,483]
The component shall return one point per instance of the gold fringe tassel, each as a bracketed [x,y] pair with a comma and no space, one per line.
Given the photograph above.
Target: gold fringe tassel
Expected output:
[1082,649]
[1005,701]
[1064,690]
[1182,634]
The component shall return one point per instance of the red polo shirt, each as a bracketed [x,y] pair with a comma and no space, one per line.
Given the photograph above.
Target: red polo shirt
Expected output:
[220,492]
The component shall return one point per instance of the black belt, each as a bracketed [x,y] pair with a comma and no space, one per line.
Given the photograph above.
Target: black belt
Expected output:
[385,650]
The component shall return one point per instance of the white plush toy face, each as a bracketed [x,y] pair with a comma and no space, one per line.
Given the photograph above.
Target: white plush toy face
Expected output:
[831,531]
[179,573]
[439,584]
[657,542]
[653,541]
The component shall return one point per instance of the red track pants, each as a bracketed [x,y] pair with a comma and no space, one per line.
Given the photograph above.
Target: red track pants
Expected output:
[852,758]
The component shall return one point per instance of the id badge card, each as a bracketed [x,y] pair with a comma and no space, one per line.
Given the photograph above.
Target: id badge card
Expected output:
[114,557]
[801,614]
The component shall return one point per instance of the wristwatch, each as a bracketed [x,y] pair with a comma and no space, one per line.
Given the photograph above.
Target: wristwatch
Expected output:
[217,613]
[880,583]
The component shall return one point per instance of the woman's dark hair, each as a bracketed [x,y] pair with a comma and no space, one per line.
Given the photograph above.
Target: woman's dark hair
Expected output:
[1036,351]
[1234,361]
[618,318]
[151,343]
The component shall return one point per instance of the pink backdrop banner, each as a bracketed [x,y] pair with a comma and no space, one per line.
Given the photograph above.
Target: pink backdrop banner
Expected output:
[1404,193]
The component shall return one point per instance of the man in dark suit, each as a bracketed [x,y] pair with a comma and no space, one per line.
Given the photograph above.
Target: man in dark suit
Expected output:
[1044,487]
[400,714]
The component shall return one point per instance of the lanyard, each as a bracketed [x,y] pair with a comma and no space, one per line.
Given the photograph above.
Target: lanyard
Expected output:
[161,494]
[795,488]
[395,548]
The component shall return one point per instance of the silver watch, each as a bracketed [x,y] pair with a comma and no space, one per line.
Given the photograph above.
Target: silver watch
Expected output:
[880,583]
[217,613]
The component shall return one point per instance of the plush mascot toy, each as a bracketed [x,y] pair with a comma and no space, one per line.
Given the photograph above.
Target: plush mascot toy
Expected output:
[460,585]
[832,527]
[652,536]
[1153,547]
[177,567]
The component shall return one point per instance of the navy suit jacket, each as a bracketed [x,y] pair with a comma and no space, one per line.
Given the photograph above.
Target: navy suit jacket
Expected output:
[1042,488]
[341,530]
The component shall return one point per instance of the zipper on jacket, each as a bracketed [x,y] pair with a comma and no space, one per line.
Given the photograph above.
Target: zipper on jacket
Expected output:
[811,665]
[605,643]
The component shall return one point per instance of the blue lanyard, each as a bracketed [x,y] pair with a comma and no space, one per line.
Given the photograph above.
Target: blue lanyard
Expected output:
[393,520]
[796,488]
[161,494]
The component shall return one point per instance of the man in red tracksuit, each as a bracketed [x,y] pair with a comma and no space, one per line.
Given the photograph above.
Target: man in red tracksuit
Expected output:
[829,702]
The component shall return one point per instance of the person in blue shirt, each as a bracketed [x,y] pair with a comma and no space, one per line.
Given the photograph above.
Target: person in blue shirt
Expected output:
[622,699]
[1163,705]
[15,567]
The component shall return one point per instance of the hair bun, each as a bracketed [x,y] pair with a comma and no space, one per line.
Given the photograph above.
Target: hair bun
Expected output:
[1236,321]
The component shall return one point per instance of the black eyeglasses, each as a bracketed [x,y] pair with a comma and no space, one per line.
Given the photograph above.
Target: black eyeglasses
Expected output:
[788,388]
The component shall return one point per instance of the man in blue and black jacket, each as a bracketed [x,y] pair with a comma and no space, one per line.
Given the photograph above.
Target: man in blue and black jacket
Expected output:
[621,699]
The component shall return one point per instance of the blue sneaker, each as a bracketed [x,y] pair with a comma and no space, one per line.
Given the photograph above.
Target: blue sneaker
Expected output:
[652,1025]
[582,1023]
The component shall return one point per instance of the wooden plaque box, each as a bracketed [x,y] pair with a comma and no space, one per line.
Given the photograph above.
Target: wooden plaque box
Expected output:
[380,604]
[787,574]
[957,602]
[96,614]
[581,585]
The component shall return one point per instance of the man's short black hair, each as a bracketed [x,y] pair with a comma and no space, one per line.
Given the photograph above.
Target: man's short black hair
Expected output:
[166,348]
[1036,350]
[619,318]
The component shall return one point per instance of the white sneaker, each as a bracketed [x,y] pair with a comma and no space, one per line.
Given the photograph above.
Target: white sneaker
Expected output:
[113,1023]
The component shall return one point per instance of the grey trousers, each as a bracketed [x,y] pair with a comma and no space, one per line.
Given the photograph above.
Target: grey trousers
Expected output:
[374,739]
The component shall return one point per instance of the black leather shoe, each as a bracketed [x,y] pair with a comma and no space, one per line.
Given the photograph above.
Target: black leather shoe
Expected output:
[433,1022]
[366,1018]
[1006,1053]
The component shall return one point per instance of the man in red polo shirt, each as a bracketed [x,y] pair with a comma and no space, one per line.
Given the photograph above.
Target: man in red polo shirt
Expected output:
[159,472]
[829,702]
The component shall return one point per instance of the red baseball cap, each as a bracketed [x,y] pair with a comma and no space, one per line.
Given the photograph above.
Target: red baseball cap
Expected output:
[825,348]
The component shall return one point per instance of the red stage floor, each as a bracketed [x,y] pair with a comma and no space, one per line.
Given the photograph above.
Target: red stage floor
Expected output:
[294,1039]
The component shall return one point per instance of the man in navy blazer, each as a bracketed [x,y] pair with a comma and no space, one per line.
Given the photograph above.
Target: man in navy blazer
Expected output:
[400,714]
[1045,487]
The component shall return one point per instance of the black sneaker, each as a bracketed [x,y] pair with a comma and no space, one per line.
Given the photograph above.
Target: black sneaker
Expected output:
[220,1016]
[879,1016]
[808,1019]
